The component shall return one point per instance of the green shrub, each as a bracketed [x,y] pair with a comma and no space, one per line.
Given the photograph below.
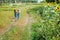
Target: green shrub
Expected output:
[37,10]
[45,27]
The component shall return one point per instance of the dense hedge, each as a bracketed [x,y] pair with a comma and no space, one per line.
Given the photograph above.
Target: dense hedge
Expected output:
[45,27]
[57,1]
[50,0]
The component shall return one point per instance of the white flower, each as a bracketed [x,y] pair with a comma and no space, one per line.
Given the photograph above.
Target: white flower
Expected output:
[45,6]
[52,11]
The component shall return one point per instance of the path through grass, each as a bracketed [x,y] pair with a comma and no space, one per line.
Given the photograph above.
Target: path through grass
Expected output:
[19,30]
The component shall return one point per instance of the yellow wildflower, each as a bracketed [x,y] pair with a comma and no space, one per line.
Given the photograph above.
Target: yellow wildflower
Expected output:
[57,8]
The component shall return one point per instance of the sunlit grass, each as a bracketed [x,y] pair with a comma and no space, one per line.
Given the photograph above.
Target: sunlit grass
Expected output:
[16,33]
[6,13]
[6,17]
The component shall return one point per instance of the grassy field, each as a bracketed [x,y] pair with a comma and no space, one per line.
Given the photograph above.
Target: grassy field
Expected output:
[43,27]
[18,31]
[7,13]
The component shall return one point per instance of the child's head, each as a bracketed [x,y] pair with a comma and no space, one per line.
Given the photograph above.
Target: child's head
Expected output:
[14,9]
[17,10]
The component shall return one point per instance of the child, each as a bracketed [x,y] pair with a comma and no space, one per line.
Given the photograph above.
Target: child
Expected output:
[14,13]
[18,13]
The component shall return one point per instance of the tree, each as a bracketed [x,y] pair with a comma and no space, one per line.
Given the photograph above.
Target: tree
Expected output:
[56,1]
[50,1]
[28,1]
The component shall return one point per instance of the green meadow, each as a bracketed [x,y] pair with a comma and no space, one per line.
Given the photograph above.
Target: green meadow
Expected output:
[40,24]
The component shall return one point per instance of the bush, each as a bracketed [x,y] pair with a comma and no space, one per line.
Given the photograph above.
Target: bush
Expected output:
[38,10]
[45,27]
[50,1]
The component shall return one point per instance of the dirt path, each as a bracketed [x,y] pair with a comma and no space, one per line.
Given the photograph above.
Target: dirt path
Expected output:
[19,23]
[23,22]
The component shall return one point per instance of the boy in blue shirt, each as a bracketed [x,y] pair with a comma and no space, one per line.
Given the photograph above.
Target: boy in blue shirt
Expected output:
[18,14]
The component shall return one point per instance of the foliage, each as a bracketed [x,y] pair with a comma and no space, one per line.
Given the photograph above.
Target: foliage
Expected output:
[57,1]
[45,27]
[38,10]
[50,1]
